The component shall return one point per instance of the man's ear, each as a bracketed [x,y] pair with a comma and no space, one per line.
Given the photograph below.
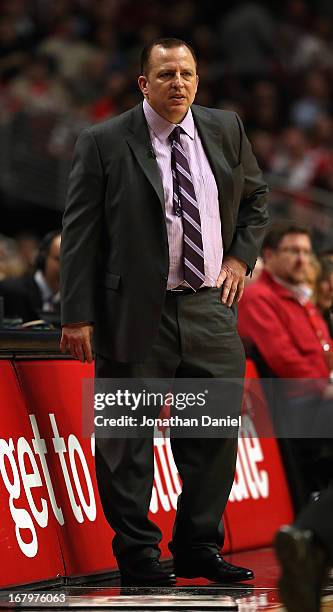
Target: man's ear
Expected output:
[143,84]
[267,254]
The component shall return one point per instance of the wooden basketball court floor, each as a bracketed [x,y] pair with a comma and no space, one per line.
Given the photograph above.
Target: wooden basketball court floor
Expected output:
[260,594]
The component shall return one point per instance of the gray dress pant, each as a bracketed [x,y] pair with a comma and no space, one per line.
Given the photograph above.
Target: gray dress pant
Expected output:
[197,338]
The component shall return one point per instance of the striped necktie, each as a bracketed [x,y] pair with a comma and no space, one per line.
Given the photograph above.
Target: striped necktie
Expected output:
[185,205]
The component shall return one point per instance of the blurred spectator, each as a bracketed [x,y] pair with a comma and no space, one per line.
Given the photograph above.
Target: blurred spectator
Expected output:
[69,63]
[66,129]
[27,245]
[180,17]
[276,307]
[263,147]
[300,165]
[38,87]
[68,50]
[314,49]
[111,103]
[293,161]
[322,132]
[91,84]
[247,41]
[107,11]
[12,263]
[326,254]
[324,291]
[294,25]
[13,48]
[289,339]
[312,274]
[49,12]
[315,101]
[33,296]
[264,107]
[17,11]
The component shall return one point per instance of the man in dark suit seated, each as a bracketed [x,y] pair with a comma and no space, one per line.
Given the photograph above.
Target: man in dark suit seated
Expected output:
[166,212]
[36,296]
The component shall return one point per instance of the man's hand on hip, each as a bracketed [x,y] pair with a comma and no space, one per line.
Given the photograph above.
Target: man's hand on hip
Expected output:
[232,277]
[76,340]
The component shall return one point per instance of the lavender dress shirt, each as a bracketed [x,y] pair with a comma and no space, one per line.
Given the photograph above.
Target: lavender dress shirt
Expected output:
[205,189]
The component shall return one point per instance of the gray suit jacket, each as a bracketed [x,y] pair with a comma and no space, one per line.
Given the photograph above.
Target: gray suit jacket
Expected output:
[114,248]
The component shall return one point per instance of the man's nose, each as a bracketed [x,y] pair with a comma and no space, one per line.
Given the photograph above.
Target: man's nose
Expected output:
[177,80]
[303,258]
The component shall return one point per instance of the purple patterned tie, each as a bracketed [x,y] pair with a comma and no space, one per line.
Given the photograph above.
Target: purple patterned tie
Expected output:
[185,205]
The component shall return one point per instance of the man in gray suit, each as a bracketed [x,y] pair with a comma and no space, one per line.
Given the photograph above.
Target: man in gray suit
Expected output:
[166,213]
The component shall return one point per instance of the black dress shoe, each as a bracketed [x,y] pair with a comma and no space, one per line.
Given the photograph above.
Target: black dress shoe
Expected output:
[146,572]
[304,564]
[212,567]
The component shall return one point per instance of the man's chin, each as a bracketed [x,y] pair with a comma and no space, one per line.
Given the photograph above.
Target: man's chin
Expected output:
[177,113]
[297,279]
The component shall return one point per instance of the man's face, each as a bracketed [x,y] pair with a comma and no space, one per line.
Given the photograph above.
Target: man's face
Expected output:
[290,260]
[171,82]
[325,293]
[52,265]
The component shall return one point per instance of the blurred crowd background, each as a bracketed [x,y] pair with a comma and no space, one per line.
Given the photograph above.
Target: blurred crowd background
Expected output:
[65,64]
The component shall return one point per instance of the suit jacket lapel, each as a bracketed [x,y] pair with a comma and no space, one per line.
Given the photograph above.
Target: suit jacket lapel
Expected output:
[139,142]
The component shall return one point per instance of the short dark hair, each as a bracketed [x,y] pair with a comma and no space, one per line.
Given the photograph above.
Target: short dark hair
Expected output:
[326,268]
[279,230]
[44,249]
[167,43]
[326,253]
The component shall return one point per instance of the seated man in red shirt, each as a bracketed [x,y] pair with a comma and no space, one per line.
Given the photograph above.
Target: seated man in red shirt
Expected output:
[289,335]
[274,312]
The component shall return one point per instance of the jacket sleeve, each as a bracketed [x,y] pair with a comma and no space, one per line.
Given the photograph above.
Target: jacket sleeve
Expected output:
[82,232]
[252,218]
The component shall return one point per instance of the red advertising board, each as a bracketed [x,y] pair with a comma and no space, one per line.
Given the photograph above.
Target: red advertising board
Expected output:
[29,551]
[53,391]
[50,422]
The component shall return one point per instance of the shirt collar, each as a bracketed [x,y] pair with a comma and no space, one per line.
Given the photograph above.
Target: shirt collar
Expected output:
[162,128]
[43,286]
[301,292]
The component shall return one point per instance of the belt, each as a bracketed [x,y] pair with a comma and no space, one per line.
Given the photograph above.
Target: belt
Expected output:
[186,290]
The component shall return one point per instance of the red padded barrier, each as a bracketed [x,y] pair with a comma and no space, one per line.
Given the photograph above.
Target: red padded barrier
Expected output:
[47,408]
[29,545]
